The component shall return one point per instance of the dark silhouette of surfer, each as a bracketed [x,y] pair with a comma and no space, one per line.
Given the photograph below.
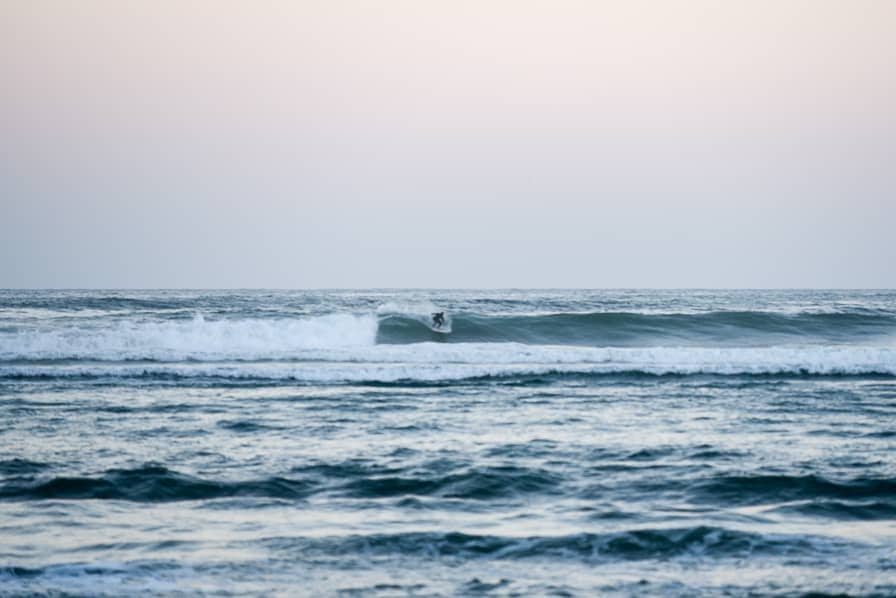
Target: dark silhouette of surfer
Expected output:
[438,319]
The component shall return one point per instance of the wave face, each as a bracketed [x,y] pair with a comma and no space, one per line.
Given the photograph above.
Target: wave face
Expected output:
[622,329]
[563,443]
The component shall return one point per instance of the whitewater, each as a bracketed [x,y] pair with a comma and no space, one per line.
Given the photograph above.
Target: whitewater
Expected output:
[554,442]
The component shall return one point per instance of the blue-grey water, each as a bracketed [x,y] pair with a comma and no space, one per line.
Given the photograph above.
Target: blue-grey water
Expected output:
[553,443]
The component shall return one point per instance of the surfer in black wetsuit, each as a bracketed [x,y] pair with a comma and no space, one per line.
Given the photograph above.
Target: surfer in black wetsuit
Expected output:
[438,319]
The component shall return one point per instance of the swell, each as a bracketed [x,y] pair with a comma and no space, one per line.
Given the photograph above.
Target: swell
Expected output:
[812,496]
[635,544]
[148,484]
[154,483]
[622,329]
[761,489]
[16,467]
[860,497]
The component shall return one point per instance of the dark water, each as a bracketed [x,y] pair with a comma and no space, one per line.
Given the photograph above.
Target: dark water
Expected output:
[554,443]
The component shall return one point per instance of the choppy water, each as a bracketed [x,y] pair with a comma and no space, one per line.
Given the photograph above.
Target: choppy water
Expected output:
[556,442]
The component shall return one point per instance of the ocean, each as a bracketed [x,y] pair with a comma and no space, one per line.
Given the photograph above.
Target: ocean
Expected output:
[554,442]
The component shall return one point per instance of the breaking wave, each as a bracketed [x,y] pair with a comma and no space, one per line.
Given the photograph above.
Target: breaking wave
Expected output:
[394,344]
[322,337]
[196,339]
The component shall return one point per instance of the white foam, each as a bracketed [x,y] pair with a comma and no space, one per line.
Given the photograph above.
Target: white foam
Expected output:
[197,338]
[432,362]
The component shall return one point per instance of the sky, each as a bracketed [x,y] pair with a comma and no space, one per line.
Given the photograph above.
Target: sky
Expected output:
[409,143]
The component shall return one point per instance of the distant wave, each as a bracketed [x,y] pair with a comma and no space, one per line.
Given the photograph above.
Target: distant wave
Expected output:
[73,301]
[281,338]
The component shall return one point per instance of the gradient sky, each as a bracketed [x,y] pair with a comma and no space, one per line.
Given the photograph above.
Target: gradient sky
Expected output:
[448,144]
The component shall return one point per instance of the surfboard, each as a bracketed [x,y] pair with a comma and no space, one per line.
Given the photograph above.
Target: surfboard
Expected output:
[445,328]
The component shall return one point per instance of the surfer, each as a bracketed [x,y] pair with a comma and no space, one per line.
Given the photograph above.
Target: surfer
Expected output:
[438,319]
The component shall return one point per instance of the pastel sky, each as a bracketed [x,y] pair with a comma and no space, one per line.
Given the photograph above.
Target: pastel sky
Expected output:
[416,143]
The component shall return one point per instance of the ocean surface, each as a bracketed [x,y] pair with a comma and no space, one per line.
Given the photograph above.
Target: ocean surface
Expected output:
[568,443]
